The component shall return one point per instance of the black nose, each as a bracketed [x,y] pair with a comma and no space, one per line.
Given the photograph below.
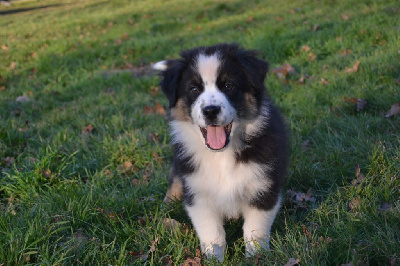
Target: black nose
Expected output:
[211,111]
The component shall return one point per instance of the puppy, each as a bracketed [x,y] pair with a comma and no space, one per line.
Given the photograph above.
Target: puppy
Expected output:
[230,147]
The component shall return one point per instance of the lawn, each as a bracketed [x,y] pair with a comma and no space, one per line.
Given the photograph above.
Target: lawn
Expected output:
[84,144]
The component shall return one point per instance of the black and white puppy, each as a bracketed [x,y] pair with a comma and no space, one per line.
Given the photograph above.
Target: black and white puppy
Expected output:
[229,141]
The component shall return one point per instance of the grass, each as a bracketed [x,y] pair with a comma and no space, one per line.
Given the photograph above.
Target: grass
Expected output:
[83,166]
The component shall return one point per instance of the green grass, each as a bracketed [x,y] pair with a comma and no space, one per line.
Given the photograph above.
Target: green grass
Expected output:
[67,193]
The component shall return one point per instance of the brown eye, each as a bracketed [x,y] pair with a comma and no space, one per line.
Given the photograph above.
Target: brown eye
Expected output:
[195,90]
[228,86]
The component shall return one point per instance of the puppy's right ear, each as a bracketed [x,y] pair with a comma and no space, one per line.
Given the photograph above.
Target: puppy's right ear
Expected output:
[171,71]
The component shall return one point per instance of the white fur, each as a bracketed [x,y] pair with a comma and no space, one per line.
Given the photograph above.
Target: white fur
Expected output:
[207,67]
[223,189]
[257,228]
[161,66]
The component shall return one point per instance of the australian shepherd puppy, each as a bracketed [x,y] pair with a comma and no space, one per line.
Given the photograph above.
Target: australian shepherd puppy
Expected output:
[229,141]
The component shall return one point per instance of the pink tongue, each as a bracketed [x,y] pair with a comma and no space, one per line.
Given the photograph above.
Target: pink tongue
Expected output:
[216,137]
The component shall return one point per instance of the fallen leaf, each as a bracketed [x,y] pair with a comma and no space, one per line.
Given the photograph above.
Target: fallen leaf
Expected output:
[13,65]
[138,255]
[153,245]
[315,27]
[345,52]
[394,110]
[196,261]
[312,56]
[306,48]
[127,167]
[361,103]
[22,99]
[354,204]
[87,130]
[324,81]
[4,47]
[46,173]
[300,197]
[9,160]
[292,262]
[158,109]
[171,224]
[359,176]
[125,36]
[345,17]
[154,90]
[354,68]
[34,54]
[167,261]
[284,70]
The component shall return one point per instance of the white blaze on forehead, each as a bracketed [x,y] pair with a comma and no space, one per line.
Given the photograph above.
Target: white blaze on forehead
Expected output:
[207,66]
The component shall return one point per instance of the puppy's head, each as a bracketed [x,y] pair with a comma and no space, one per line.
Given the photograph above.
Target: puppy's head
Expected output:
[214,88]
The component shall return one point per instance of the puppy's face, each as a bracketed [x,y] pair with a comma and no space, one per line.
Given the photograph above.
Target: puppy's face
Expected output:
[211,89]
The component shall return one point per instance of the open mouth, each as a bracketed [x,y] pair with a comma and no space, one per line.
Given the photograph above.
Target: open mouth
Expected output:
[216,137]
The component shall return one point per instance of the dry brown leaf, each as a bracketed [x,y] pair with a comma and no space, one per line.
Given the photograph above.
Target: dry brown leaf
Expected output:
[4,47]
[154,90]
[158,109]
[127,167]
[153,245]
[345,17]
[354,68]
[345,52]
[394,110]
[312,56]
[13,65]
[324,81]
[292,262]
[125,36]
[2,88]
[46,173]
[284,70]
[87,130]
[301,197]
[196,261]
[354,204]
[359,176]
[171,224]
[306,48]
[138,255]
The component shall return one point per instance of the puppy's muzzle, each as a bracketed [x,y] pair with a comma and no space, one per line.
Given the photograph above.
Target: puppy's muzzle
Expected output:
[211,112]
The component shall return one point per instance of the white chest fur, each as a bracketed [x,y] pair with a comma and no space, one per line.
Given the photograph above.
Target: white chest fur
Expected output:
[219,181]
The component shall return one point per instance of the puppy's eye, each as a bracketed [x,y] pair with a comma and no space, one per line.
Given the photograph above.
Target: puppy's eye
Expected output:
[228,86]
[195,90]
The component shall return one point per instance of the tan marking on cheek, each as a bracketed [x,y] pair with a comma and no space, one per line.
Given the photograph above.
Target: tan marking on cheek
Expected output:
[180,112]
[251,103]
[175,191]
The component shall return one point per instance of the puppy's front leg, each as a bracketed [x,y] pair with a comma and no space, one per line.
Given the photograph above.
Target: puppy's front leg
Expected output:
[257,228]
[210,230]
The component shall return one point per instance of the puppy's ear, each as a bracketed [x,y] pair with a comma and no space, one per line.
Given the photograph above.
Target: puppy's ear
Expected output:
[255,68]
[171,71]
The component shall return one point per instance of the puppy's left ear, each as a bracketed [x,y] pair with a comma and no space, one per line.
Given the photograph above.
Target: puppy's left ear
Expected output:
[255,68]
[171,72]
